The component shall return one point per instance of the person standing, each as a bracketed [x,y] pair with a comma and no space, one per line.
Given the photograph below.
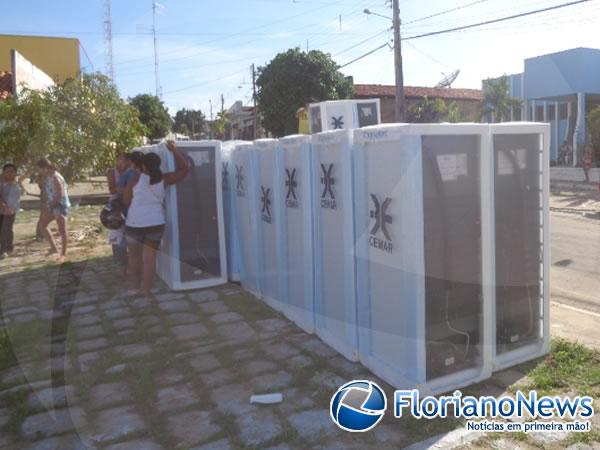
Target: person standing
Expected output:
[118,179]
[145,224]
[588,159]
[57,206]
[10,197]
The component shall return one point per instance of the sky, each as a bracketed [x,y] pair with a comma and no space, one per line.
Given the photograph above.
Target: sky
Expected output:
[206,47]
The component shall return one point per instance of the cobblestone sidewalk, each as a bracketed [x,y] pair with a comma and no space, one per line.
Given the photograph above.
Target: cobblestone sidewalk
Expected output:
[92,369]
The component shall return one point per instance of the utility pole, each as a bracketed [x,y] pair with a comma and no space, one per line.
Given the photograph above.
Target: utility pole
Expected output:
[399,107]
[222,104]
[210,128]
[156,82]
[254,98]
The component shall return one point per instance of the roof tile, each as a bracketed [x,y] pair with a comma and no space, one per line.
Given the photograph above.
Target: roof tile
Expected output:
[380,90]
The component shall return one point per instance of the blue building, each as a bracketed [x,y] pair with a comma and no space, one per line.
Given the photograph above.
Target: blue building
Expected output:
[559,88]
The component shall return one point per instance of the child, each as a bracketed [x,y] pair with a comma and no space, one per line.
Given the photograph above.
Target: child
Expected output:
[10,196]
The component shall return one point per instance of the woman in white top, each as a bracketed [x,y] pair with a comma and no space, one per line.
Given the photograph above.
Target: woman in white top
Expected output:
[145,196]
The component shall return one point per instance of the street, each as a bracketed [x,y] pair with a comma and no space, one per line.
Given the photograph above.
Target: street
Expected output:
[575,277]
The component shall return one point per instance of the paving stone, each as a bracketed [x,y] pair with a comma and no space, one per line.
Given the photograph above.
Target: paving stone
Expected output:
[4,416]
[117,423]
[271,381]
[169,377]
[121,324]
[135,445]
[112,304]
[312,424]
[237,331]
[51,397]
[174,398]
[174,306]
[388,434]
[62,443]
[87,360]
[203,296]
[119,313]
[58,364]
[295,400]
[233,399]
[77,310]
[548,438]
[221,444]
[170,296]
[215,307]
[256,367]
[216,378]
[126,332]
[88,319]
[509,377]
[225,317]
[272,324]
[109,394]
[22,318]
[149,321]
[133,350]
[116,369]
[192,427]
[279,351]
[52,423]
[193,331]
[92,344]
[184,317]
[258,428]
[299,362]
[280,447]
[317,346]
[243,353]
[326,379]
[205,362]
[90,332]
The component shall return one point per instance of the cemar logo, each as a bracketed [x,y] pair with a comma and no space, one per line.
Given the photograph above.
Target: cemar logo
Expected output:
[358,406]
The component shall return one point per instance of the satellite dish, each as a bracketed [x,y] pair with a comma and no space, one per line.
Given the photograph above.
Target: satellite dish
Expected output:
[447,81]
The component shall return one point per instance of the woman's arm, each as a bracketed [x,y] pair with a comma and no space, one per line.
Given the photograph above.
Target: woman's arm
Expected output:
[181,166]
[128,192]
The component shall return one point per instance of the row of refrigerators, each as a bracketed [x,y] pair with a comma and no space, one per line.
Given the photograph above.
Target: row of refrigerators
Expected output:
[421,251]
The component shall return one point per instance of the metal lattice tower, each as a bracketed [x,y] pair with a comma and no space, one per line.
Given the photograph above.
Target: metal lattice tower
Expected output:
[108,43]
[156,81]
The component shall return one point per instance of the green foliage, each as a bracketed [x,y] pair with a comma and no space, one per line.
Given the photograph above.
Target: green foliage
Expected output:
[221,127]
[80,125]
[189,121]
[496,100]
[153,115]
[292,79]
[434,111]
[593,126]
[569,366]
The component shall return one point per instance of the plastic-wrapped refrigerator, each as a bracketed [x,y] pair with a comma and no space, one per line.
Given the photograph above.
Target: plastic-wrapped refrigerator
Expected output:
[268,208]
[298,266]
[343,114]
[335,293]
[421,255]
[231,231]
[245,183]
[520,174]
[193,252]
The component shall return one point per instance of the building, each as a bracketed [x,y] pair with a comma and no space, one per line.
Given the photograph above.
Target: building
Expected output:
[242,121]
[467,99]
[559,88]
[58,57]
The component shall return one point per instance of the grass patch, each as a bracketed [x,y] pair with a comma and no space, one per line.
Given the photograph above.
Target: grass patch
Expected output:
[568,366]
[7,356]
[16,404]
[593,436]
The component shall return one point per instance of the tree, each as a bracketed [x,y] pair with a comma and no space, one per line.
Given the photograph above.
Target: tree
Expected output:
[221,127]
[593,125]
[427,111]
[189,122]
[497,102]
[80,125]
[292,79]
[153,115]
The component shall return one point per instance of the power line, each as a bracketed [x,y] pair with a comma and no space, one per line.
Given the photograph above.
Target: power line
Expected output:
[364,55]
[444,12]
[502,19]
